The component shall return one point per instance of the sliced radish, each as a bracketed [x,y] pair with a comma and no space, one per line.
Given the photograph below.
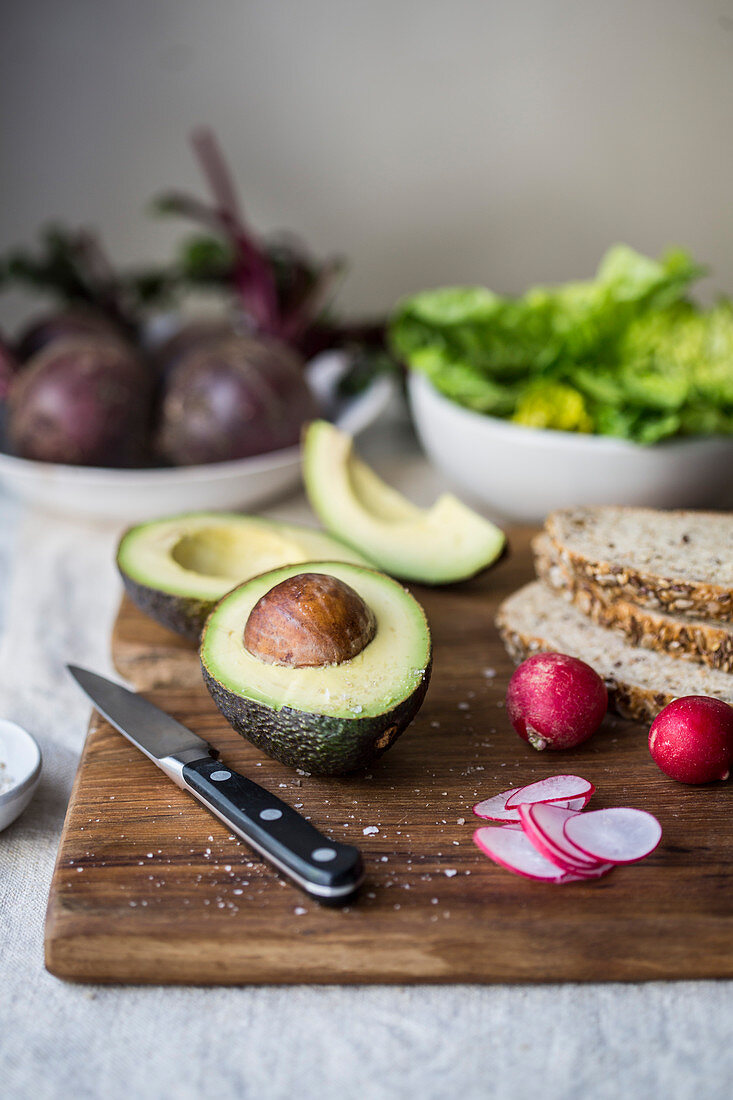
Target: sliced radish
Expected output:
[620,835]
[543,823]
[511,849]
[571,803]
[494,809]
[557,788]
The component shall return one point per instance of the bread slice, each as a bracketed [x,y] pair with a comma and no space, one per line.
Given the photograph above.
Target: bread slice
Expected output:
[640,681]
[676,561]
[708,643]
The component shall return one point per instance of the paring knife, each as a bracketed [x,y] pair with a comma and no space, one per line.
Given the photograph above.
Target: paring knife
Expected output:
[328,871]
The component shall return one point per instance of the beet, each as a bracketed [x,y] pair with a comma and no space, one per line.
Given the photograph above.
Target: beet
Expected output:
[8,368]
[82,402]
[190,337]
[62,326]
[232,399]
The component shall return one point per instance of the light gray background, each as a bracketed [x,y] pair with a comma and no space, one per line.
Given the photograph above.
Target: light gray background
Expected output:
[429,141]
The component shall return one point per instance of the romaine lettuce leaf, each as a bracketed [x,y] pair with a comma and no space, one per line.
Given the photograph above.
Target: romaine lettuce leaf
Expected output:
[623,354]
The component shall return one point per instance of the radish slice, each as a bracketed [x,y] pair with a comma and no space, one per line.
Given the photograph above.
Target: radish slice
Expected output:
[620,835]
[557,788]
[512,850]
[494,809]
[572,803]
[543,823]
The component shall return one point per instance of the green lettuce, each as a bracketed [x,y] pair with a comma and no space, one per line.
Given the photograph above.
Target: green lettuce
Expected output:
[624,354]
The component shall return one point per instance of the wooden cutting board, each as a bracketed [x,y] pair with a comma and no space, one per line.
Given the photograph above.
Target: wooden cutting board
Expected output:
[149,887]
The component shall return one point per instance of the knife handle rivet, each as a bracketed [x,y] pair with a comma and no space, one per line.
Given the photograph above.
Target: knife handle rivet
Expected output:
[271,815]
[323,855]
[220,776]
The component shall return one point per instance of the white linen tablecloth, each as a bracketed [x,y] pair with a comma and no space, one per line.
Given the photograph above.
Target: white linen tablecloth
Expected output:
[58,596]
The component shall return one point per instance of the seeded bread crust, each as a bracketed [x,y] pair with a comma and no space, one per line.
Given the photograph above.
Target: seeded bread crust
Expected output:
[702,598]
[709,644]
[640,682]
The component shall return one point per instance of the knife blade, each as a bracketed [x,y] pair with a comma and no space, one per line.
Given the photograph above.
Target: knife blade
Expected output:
[328,871]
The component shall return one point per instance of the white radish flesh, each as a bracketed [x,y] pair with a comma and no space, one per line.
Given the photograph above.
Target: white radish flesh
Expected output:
[556,788]
[494,809]
[510,848]
[543,823]
[620,835]
[571,803]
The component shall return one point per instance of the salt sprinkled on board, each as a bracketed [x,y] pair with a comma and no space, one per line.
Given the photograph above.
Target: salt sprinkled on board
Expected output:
[370,830]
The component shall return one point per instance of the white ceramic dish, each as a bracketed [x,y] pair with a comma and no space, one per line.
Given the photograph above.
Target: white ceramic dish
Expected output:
[22,759]
[132,495]
[524,473]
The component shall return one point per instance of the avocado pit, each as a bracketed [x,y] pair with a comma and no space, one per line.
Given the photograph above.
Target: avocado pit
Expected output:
[308,621]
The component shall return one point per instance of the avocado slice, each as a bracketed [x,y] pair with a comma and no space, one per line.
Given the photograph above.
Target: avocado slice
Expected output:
[440,545]
[175,569]
[331,719]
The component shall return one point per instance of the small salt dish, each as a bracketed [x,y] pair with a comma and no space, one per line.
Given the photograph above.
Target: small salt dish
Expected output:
[20,770]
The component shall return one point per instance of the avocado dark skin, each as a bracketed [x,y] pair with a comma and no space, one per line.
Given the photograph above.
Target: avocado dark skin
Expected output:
[183,616]
[316,743]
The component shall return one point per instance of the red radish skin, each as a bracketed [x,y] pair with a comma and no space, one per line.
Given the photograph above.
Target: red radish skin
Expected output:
[691,740]
[511,849]
[494,809]
[556,788]
[550,821]
[554,845]
[555,701]
[617,835]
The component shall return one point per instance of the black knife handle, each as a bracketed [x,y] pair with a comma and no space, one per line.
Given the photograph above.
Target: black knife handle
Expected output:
[330,872]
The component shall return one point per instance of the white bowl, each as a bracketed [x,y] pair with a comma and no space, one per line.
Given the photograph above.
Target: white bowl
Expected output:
[132,495]
[524,473]
[22,759]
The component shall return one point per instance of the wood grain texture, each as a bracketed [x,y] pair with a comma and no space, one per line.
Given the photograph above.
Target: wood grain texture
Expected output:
[149,887]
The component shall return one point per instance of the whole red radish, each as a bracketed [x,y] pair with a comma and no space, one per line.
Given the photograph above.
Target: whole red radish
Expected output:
[691,740]
[555,701]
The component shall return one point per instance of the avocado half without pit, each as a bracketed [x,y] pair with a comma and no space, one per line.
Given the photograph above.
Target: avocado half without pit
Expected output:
[176,569]
[322,667]
[443,544]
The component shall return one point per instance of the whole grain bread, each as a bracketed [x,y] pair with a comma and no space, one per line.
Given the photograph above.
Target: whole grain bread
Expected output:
[708,643]
[640,681]
[681,562]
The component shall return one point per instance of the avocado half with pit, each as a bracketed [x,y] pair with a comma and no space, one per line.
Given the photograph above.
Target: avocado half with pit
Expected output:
[176,569]
[321,666]
[443,544]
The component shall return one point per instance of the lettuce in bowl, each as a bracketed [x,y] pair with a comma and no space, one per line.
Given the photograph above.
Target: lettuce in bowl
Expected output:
[625,354]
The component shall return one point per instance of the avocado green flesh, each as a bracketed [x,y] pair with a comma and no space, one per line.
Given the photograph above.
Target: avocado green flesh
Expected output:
[440,545]
[176,569]
[325,720]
